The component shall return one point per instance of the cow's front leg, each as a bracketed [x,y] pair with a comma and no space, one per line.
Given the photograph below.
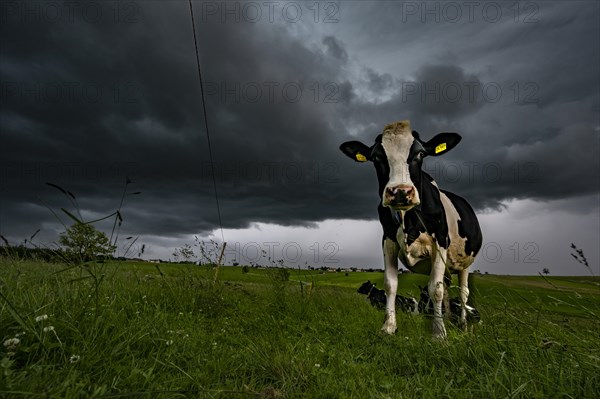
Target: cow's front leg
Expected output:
[436,292]
[390,258]
[463,277]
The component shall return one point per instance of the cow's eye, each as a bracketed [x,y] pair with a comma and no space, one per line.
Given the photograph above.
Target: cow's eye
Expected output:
[376,153]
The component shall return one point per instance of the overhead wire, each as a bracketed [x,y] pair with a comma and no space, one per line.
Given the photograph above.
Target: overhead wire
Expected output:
[210,154]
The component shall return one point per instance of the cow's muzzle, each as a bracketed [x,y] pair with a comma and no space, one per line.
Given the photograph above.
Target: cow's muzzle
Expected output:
[399,197]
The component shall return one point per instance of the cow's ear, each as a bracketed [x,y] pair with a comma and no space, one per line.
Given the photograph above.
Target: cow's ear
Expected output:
[442,143]
[356,150]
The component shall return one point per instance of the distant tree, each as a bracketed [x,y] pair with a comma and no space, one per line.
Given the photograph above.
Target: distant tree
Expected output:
[83,242]
[546,270]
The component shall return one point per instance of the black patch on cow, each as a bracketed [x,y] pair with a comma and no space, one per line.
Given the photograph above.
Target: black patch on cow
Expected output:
[388,222]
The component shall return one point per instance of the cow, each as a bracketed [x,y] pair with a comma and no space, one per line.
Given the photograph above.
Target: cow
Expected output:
[423,306]
[379,299]
[455,306]
[431,231]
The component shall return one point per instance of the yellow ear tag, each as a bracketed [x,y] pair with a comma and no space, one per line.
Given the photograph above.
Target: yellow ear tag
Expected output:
[360,157]
[440,148]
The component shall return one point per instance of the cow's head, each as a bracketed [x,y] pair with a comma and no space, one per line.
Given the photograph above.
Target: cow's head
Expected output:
[398,157]
[365,288]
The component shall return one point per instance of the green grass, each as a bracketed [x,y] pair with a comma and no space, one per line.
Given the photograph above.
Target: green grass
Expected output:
[144,332]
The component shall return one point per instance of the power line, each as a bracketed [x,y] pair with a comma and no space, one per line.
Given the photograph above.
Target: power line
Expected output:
[212,167]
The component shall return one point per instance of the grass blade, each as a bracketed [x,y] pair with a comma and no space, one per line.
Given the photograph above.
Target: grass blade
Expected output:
[56,186]
[69,214]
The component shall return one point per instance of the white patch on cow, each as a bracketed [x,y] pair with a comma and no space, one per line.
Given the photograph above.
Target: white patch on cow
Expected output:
[421,248]
[417,256]
[396,140]
[458,259]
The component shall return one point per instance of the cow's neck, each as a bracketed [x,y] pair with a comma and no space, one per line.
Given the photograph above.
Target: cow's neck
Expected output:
[428,217]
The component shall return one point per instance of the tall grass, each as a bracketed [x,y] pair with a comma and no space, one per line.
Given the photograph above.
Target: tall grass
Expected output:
[174,332]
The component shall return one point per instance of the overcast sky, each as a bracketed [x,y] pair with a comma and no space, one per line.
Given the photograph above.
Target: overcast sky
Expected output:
[92,92]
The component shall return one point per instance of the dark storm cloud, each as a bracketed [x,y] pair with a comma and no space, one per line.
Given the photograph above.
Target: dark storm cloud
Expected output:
[89,103]
[86,103]
[379,82]
[335,49]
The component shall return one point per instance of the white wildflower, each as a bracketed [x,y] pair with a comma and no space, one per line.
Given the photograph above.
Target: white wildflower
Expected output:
[51,329]
[11,343]
[170,342]
[317,365]
[41,318]
[74,358]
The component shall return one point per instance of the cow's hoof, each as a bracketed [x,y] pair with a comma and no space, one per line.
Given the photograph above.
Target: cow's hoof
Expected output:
[439,333]
[439,337]
[388,329]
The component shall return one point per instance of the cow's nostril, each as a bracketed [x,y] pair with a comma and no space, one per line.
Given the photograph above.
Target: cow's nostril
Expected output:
[401,194]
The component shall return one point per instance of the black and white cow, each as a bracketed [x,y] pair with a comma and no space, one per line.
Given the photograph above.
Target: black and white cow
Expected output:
[431,231]
[455,307]
[379,299]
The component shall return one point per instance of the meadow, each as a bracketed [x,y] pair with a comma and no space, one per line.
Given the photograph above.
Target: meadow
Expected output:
[142,330]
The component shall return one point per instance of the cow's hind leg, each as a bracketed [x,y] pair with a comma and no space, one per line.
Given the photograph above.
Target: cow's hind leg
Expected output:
[463,277]
[390,257]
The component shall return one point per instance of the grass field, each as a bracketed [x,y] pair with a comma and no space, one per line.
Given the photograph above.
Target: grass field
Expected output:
[135,330]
